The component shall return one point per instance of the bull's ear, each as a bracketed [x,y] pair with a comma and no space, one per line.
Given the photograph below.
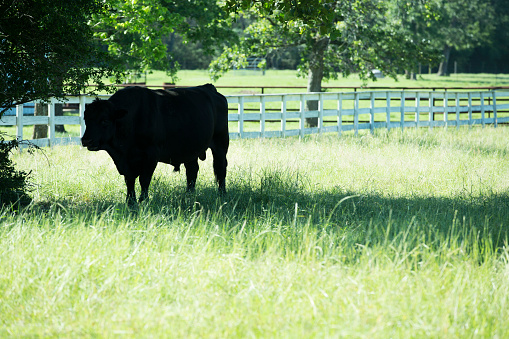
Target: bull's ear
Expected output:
[119,113]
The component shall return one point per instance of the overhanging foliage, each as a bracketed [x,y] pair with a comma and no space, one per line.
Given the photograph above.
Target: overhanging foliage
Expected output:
[47,50]
[14,184]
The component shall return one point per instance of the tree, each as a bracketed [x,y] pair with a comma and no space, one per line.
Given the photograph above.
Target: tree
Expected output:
[47,50]
[14,184]
[138,31]
[492,55]
[334,37]
[461,25]
[413,19]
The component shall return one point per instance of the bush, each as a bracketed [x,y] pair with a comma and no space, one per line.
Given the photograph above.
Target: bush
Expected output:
[14,185]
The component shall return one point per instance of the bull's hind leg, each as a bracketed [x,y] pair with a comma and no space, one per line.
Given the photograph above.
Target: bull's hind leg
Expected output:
[219,150]
[191,174]
[146,178]
[131,193]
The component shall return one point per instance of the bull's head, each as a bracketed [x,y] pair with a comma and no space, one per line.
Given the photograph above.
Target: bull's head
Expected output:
[100,120]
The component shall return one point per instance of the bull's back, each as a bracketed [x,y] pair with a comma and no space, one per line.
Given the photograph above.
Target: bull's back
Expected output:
[179,123]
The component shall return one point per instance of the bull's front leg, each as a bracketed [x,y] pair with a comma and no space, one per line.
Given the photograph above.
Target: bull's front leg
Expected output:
[131,193]
[192,168]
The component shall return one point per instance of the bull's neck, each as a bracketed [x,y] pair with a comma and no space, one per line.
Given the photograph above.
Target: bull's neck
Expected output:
[119,158]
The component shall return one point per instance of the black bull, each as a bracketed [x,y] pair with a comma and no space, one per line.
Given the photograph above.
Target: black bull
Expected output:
[139,127]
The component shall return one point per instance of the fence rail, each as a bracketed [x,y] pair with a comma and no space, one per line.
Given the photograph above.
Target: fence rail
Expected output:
[339,112]
[283,115]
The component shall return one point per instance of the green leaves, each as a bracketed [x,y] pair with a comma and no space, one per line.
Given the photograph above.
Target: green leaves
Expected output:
[361,34]
[231,58]
[140,32]
[463,24]
[46,49]
[14,184]
[134,31]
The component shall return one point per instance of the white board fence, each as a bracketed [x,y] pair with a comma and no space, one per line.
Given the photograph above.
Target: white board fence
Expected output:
[283,115]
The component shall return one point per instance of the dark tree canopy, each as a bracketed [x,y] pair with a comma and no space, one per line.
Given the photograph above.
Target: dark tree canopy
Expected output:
[335,36]
[142,33]
[47,50]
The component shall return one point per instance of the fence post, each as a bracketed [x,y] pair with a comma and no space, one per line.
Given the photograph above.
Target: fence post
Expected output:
[241,117]
[320,114]
[483,110]
[495,123]
[489,104]
[388,109]
[262,116]
[340,114]
[470,121]
[81,111]
[457,110]
[283,117]
[417,110]
[302,116]
[402,109]
[19,122]
[372,112]
[51,122]
[431,104]
[446,110]
[356,114]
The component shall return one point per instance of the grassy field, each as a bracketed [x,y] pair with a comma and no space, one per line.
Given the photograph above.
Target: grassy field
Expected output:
[376,236]
[289,78]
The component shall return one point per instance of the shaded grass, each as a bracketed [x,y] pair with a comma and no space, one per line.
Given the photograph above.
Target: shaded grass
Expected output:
[385,235]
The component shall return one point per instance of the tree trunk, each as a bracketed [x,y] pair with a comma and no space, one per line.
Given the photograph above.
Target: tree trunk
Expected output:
[315,76]
[40,131]
[442,70]
[410,75]
[59,111]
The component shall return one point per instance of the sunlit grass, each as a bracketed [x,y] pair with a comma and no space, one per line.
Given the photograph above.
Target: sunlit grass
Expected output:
[386,235]
[289,78]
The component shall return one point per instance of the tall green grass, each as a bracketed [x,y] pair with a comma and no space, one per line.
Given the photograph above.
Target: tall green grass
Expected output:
[386,235]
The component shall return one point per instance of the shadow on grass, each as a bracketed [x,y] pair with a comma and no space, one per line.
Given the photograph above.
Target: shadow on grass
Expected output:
[276,199]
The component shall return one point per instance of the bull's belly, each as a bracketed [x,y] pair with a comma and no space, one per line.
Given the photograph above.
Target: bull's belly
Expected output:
[177,158]
[179,148]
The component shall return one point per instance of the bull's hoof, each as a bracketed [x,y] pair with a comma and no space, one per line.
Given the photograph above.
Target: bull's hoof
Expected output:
[143,197]
[131,201]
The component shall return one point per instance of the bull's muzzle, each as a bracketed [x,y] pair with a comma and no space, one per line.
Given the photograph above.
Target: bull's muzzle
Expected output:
[89,144]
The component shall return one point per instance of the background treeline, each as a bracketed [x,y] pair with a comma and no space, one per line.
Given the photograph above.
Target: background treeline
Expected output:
[491,55]
[191,55]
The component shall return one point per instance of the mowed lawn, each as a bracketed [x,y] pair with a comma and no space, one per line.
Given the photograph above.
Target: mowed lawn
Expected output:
[391,235]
